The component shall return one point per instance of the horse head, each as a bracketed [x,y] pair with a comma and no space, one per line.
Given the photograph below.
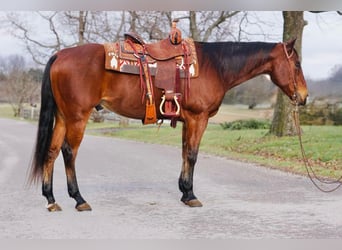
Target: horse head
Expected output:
[287,73]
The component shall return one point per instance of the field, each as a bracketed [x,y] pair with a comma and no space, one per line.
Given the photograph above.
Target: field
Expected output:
[6,111]
[228,113]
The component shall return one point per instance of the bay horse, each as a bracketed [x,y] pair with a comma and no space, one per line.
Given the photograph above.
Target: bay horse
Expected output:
[75,81]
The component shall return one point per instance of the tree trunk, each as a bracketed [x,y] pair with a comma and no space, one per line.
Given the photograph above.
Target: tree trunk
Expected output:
[81,26]
[194,33]
[132,22]
[283,124]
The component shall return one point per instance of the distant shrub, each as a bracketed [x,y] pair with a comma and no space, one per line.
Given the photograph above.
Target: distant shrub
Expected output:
[316,117]
[320,112]
[337,117]
[246,124]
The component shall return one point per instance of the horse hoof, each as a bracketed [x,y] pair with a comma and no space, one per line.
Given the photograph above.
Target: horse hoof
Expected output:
[53,207]
[193,203]
[83,207]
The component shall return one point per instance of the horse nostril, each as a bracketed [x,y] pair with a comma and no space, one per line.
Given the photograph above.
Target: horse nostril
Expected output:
[304,102]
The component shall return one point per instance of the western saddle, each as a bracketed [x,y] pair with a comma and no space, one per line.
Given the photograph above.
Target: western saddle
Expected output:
[168,61]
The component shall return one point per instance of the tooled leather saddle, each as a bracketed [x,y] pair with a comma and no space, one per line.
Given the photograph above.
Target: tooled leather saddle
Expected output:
[168,61]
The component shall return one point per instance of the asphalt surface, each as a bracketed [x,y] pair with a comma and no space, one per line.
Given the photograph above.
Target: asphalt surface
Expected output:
[132,188]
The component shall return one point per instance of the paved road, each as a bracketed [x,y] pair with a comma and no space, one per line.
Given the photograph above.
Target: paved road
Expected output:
[132,188]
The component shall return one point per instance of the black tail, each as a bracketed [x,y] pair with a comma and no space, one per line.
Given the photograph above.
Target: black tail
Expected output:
[45,126]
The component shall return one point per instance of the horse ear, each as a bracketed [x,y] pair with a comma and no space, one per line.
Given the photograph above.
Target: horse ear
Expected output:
[290,45]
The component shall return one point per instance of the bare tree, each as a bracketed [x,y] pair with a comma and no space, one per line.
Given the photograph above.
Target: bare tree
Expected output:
[93,26]
[60,30]
[21,85]
[104,26]
[209,25]
[151,25]
[40,46]
[200,25]
[76,21]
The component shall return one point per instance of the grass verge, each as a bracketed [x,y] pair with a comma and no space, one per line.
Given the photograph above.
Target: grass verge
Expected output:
[323,145]
[6,111]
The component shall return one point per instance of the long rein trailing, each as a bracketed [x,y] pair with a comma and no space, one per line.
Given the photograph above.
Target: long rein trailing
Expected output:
[311,173]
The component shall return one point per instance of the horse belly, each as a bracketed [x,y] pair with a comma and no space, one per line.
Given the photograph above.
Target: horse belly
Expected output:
[125,96]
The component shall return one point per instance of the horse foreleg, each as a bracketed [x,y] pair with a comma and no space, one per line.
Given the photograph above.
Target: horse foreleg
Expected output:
[193,129]
[55,146]
[69,149]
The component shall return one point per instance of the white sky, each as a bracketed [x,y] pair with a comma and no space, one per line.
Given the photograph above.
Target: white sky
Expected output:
[322,41]
[322,44]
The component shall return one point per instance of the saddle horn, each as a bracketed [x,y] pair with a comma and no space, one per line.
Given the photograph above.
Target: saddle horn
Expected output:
[175,33]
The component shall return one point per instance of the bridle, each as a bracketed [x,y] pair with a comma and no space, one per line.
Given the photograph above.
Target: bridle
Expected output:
[293,78]
[311,173]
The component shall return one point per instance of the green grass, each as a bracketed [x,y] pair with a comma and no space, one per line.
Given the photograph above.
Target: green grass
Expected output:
[323,145]
[6,111]
[138,132]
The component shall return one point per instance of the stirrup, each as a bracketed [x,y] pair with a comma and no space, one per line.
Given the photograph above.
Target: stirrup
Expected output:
[167,102]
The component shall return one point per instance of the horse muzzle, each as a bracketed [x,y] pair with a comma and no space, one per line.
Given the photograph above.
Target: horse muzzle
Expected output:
[300,99]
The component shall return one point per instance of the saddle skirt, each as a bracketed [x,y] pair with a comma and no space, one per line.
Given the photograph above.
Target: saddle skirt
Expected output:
[162,57]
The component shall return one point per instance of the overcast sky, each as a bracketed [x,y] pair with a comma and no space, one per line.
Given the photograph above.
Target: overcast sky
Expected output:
[322,41]
[322,44]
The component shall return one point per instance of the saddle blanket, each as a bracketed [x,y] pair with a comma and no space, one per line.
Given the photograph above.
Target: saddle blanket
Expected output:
[120,56]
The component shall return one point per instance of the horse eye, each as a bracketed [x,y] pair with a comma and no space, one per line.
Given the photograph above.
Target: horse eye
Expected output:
[297,64]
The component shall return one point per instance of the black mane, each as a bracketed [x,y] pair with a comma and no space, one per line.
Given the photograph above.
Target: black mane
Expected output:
[231,57]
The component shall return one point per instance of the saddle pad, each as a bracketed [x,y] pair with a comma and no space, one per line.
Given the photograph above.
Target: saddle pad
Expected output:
[119,56]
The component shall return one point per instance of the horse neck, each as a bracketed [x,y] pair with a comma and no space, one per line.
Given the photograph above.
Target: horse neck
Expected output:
[248,74]
[236,63]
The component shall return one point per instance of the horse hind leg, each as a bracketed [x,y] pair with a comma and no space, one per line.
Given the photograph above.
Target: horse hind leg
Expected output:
[47,182]
[69,149]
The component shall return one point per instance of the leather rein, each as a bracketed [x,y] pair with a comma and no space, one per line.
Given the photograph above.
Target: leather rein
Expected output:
[311,173]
